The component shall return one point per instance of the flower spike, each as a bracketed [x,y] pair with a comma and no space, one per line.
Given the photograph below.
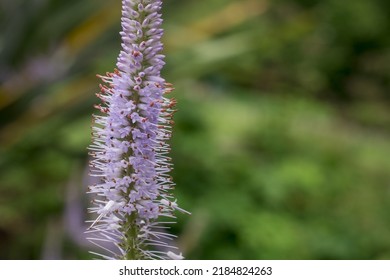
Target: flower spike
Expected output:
[130,146]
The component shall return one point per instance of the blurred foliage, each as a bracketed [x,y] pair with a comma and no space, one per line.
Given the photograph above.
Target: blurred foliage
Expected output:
[281,147]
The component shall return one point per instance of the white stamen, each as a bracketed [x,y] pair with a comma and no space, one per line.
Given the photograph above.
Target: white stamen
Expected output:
[174,256]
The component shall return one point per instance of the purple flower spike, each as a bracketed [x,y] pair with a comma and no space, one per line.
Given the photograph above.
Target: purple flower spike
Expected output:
[130,145]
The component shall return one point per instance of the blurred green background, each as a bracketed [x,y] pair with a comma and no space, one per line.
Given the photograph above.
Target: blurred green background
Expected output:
[281,145]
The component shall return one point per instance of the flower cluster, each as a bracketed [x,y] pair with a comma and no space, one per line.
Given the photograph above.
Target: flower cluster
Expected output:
[130,150]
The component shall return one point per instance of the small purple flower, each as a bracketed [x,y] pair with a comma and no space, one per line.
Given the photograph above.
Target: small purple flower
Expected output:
[130,145]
